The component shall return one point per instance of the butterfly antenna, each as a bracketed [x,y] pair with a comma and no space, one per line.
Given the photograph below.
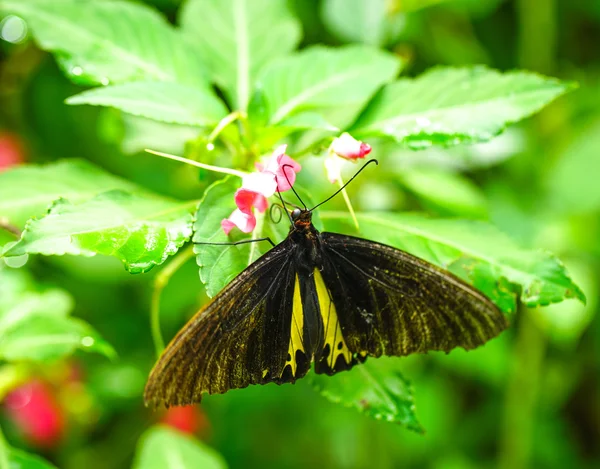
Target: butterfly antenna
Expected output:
[290,184]
[348,182]
[285,207]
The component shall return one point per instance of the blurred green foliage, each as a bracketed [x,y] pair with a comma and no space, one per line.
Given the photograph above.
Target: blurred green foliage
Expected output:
[530,398]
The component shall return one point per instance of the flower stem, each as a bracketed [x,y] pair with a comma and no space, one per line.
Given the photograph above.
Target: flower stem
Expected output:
[348,203]
[160,282]
[4,462]
[208,167]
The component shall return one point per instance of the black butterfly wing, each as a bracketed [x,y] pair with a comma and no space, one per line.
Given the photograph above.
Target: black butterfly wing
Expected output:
[389,302]
[244,336]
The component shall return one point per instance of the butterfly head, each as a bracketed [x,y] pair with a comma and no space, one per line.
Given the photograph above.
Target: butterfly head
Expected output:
[301,218]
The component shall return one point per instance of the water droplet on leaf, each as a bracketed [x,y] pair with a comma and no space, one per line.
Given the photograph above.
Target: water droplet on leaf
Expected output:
[87,341]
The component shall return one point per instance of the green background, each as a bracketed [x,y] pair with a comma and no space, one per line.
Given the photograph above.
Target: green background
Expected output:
[530,398]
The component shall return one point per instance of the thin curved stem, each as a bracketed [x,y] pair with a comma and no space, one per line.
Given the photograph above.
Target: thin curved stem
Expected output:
[160,282]
[224,123]
[208,167]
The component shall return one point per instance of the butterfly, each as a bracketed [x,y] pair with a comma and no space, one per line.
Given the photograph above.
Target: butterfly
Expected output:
[324,298]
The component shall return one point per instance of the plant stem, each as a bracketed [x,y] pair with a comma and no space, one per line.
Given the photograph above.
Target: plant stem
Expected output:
[537,34]
[4,462]
[522,395]
[348,204]
[160,282]
[223,123]
[208,167]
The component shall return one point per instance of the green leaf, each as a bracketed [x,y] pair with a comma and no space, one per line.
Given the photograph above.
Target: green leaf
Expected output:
[44,337]
[566,322]
[376,388]
[166,102]
[139,230]
[35,322]
[28,190]
[142,133]
[448,106]
[369,22]
[237,38]
[306,121]
[164,448]
[572,182]
[473,250]
[110,42]
[323,79]
[220,264]
[445,190]
[22,460]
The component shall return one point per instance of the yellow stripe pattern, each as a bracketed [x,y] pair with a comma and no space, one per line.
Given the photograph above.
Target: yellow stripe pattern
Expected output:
[331,324]
[297,325]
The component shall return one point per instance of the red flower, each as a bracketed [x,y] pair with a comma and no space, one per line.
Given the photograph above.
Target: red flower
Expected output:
[187,419]
[257,187]
[36,413]
[11,151]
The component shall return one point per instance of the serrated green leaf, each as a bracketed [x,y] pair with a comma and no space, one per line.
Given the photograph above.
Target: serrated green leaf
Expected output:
[22,460]
[376,388]
[163,448]
[28,190]
[110,42]
[445,190]
[166,102]
[473,250]
[566,322]
[220,264]
[141,231]
[237,38]
[35,323]
[323,79]
[448,106]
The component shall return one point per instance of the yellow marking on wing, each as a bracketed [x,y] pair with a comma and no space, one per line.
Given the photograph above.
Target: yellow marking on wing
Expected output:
[297,325]
[331,324]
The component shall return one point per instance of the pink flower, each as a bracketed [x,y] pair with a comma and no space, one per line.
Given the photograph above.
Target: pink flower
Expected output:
[245,199]
[348,147]
[245,222]
[34,410]
[258,186]
[277,164]
[243,217]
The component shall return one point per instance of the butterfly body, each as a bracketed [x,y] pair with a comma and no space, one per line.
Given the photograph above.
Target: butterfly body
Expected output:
[325,298]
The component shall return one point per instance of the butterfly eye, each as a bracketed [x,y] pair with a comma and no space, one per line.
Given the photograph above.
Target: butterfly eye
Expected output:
[296,213]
